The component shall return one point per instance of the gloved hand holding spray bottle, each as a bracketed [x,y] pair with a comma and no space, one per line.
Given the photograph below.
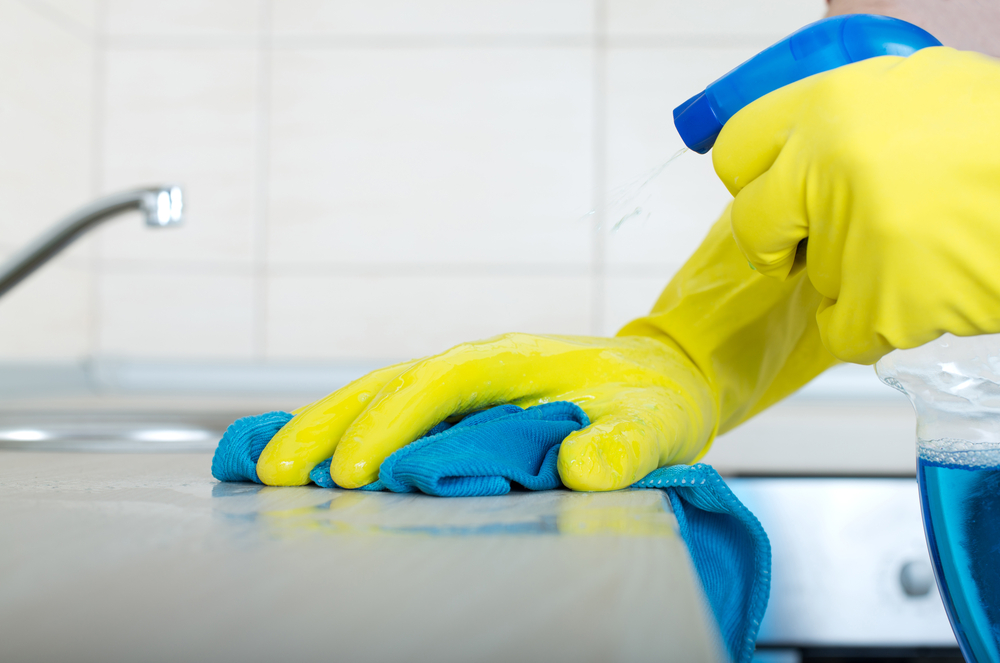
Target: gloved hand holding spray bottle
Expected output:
[881,180]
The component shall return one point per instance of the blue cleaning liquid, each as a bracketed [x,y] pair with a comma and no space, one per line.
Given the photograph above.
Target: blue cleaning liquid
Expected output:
[960,501]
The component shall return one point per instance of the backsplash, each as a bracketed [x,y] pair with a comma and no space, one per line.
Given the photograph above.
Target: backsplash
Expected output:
[364,181]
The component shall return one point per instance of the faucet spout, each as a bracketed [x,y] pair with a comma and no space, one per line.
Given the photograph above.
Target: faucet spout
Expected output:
[160,206]
[163,206]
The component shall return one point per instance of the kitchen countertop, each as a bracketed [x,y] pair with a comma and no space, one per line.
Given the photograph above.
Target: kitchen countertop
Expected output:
[145,557]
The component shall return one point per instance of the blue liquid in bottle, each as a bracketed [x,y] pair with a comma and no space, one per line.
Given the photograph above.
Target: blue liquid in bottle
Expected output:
[960,500]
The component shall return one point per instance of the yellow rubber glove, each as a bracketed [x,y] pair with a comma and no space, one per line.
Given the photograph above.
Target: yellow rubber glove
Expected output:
[722,343]
[648,404]
[891,168]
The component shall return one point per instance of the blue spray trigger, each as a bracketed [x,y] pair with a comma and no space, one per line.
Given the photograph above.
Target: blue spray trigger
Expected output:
[697,123]
[820,46]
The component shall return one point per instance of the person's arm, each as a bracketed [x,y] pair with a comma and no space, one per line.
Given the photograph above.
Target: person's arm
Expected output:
[754,338]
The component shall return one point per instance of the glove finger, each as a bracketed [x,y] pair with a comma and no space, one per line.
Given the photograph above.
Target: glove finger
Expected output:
[751,159]
[752,139]
[634,431]
[614,452]
[469,377]
[769,218]
[313,434]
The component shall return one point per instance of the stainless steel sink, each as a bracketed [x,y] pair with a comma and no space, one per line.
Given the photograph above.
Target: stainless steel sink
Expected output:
[111,432]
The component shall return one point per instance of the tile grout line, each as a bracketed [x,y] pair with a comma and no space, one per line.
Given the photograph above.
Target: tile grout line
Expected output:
[599,165]
[98,92]
[258,341]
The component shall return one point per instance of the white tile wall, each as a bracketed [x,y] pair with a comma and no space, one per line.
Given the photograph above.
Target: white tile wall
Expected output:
[627,297]
[46,88]
[366,180]
[184,116]
[78,16]
[434,17]
[680,204]
[211,19]
[46,83]
[430,156]
[198,314]
[391,317]
[719,19]
[48,317]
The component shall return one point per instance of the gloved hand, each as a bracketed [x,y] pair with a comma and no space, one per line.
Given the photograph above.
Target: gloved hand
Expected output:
[721,344]
[648,404]
[891,168]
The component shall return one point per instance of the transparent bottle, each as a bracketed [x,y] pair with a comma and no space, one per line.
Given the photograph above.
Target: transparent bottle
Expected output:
[954,386]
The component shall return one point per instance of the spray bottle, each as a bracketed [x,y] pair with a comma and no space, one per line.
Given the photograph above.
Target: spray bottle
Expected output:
[821,46]
[953,383]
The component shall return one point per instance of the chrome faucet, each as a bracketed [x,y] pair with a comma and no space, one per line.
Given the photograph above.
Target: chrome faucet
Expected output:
[160,206]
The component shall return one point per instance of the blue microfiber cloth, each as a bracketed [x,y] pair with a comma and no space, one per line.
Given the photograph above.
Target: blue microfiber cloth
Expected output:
[236,456]
[728,546]
[487,451]
[480,455]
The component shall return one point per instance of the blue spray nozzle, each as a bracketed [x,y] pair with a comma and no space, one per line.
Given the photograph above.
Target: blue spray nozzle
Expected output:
[820,46]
